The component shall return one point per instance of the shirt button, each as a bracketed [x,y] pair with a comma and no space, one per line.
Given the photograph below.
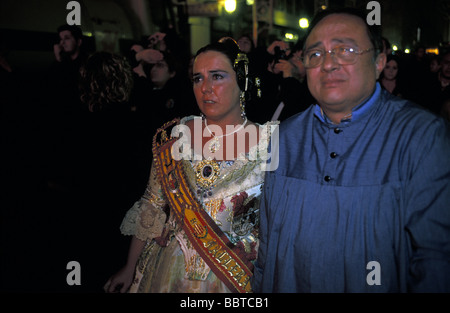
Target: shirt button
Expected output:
[337,130]
[333,155]
[327,178]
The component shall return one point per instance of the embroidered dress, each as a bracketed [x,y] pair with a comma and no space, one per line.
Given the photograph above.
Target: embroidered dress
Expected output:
[229,191]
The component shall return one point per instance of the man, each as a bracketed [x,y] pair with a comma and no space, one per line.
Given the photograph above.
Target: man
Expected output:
[69,46]
[62,79]
[360,200]
[283,85]
[438,93]
[427,88]
[62,107]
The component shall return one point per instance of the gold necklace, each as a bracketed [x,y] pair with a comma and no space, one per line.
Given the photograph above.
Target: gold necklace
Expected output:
[215,144]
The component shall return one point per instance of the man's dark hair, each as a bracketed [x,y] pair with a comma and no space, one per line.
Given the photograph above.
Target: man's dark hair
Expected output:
[173,63]
[373,31]
[443,54]
[76,31]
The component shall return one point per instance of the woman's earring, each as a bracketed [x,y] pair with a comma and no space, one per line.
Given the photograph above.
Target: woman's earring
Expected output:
[258,87]
[242,104]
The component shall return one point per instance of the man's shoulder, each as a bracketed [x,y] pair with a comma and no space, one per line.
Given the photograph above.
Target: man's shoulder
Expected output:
[404,117]
[404,109]
[297,120]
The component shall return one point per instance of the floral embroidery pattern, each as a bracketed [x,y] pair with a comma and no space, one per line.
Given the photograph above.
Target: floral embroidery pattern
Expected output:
[250,250]
[240,204]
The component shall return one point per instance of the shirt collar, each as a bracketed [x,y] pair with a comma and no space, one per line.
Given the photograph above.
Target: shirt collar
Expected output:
[357,111]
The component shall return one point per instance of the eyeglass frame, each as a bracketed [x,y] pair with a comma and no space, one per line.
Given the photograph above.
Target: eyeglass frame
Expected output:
[332,52]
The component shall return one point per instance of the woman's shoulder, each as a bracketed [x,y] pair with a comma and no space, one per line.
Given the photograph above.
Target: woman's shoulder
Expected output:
[189,120]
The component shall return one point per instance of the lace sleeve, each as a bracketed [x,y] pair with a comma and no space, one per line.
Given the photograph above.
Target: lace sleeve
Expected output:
[146,218]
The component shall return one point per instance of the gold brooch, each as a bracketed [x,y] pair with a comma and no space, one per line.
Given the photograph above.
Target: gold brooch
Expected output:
[206,172]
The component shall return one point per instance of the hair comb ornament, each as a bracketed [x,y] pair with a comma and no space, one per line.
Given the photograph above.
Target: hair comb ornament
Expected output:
[242,57]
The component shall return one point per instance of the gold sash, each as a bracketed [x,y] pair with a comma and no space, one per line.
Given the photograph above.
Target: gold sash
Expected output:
[225,259]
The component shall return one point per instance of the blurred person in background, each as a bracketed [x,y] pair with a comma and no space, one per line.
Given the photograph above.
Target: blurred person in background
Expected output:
[284,90]
[391,79]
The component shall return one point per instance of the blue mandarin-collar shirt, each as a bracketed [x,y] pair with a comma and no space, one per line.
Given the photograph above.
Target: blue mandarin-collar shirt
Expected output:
[362,206]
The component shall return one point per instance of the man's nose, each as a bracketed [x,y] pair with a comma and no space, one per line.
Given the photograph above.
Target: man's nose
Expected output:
[330,62]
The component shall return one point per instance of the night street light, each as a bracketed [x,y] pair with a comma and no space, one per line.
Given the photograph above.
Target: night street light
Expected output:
[303,22]
[230,6]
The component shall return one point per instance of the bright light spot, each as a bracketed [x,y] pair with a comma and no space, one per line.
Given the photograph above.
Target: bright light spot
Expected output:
[230,6]
[289,36]
[303,22]
[323,7]
[250,2]
[407,51]
[394,47]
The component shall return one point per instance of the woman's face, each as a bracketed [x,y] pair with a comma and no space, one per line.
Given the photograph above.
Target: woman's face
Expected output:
[390,70]
[215,86]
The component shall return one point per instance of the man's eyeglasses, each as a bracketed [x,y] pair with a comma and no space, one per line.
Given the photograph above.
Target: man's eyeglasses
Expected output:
[342,55]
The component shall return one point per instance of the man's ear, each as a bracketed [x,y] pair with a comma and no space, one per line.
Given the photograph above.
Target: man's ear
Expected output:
[79,42]
[380,63]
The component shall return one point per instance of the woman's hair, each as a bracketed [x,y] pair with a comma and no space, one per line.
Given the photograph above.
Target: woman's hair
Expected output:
[106,81]
[393,57]
[225,45]
[239,61]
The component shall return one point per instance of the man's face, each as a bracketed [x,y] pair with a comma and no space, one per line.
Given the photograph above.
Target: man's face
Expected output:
[445,66]
[245,44]
[68,42]
[336,87]
[160,74]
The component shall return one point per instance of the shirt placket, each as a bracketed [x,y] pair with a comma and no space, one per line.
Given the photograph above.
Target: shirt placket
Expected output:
[332,153]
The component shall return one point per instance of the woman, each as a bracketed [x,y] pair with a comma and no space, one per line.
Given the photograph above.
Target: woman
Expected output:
[196,227]
[96,165]
[389,78]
